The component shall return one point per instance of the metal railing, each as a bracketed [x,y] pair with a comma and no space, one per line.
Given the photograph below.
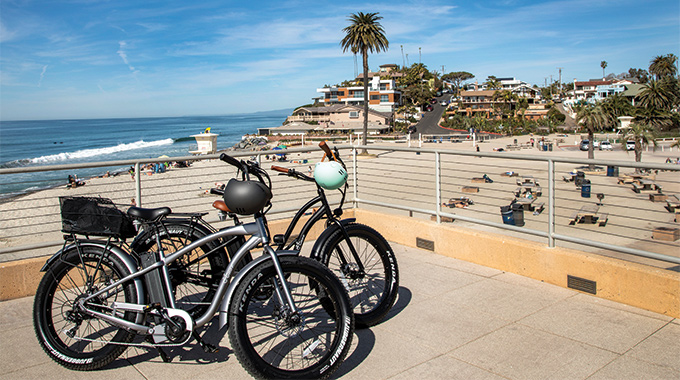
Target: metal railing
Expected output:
[418,182]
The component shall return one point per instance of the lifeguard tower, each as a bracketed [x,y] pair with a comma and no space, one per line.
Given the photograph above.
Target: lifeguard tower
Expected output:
[206,143]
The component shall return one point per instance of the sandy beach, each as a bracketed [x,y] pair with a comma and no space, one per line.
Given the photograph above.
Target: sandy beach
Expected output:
[35,218]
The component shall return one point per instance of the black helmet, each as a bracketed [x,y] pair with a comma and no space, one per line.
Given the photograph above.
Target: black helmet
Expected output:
[246,197]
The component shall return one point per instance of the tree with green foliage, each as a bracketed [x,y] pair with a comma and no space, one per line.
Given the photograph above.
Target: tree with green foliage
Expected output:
[663,66]
[457,78]
[364,35]
[603,65]
[492,83]
[593,118]
[643,135]
[658,93]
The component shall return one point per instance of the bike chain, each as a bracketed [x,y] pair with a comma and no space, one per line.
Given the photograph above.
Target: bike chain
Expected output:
[142,344]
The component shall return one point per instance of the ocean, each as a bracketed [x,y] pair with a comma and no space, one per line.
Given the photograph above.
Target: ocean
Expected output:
[61,142]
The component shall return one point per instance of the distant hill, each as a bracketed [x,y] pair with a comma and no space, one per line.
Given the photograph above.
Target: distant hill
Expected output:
[284,112]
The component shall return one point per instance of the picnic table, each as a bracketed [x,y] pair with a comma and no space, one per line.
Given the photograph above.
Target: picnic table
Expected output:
[645,185]
[673,203]
[526,181]
[530,204]
[589,214]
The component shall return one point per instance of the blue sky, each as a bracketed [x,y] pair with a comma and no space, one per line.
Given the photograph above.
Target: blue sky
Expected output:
[122,58]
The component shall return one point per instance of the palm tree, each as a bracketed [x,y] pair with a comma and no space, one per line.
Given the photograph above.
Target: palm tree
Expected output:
[364,35]
[657,94]
[593,118]
[642,135]
[603,65]
[663,66]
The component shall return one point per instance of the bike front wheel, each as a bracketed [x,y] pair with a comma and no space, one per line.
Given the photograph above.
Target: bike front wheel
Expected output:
[270,341]
[67,333]
[373,289]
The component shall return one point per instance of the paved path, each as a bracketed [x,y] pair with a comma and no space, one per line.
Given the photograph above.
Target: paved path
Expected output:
[452,320]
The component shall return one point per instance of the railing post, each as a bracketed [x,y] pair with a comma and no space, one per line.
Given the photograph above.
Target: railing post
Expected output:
[551,203]
[138,185]
[438,187]
[356,177]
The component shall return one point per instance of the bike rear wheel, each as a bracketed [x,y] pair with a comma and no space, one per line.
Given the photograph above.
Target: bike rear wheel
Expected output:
[69,335]
[270,342]
[374,290]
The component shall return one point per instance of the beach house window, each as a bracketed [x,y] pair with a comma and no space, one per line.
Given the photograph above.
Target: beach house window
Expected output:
[384,98]
[375,97]
[358,94]
[353,114]
[383,86]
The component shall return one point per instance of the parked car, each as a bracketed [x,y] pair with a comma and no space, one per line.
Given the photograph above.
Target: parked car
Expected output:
[427,107]
[584,145]
[412,129]
[433,101]
[596,144]
[630,145]
[444,103]
[606,145]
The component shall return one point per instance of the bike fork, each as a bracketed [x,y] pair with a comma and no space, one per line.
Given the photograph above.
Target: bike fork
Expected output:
[286,298]
[351,246]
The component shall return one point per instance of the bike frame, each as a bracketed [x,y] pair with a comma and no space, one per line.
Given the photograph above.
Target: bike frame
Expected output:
[226,287]
[324,210]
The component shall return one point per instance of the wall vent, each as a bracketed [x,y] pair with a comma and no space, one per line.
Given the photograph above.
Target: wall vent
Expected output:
[582,284]
[425,244]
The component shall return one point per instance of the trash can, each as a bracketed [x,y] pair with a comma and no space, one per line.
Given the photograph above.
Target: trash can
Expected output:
[580,177]
[518,214]
[507,214]
[545,147]
[550,147]
[612,171]
[585,188]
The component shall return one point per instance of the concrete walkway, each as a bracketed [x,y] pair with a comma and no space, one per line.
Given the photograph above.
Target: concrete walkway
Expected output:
[452,320]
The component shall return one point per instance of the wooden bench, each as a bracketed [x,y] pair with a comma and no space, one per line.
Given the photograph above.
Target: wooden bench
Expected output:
[518,191]
[658,197]
[478,180]
[538,208]
[602,219]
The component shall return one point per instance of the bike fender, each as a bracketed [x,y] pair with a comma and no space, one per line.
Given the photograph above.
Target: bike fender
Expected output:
[124,257]
[226,300]
[316,250]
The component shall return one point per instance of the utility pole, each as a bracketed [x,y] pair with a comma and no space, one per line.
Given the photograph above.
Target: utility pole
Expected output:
[560,71]
[420,55]
[442,69]
[407,59]
[551,83]
[403,61]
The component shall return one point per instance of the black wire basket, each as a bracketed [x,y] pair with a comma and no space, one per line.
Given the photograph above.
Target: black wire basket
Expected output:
[93,216]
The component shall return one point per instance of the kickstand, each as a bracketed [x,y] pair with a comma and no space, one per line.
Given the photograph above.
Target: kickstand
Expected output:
[163,355]
[207,347]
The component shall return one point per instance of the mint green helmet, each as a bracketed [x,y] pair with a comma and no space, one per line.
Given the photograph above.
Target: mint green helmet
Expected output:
[330,175]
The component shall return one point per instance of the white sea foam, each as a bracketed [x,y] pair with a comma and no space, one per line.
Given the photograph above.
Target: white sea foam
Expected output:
[86,153]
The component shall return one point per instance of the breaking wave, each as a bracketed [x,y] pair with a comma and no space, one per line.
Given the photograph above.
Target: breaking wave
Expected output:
[87,153]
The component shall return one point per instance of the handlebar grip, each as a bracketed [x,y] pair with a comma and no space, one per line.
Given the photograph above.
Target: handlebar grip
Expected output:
[326,149]
[280,169]
[230,160]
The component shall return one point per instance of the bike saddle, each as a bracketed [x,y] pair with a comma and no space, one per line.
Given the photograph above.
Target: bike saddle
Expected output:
[220,205]
[148,213]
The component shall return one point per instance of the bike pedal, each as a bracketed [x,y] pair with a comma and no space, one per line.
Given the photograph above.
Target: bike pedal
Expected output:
[163,355]
[207,347]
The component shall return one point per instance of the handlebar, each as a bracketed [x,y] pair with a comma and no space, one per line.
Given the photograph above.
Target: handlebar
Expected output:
[247,168]
[326,150]
[230,160]
[292,173]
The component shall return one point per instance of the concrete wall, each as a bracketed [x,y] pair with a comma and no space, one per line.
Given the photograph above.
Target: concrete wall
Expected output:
[630,283]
